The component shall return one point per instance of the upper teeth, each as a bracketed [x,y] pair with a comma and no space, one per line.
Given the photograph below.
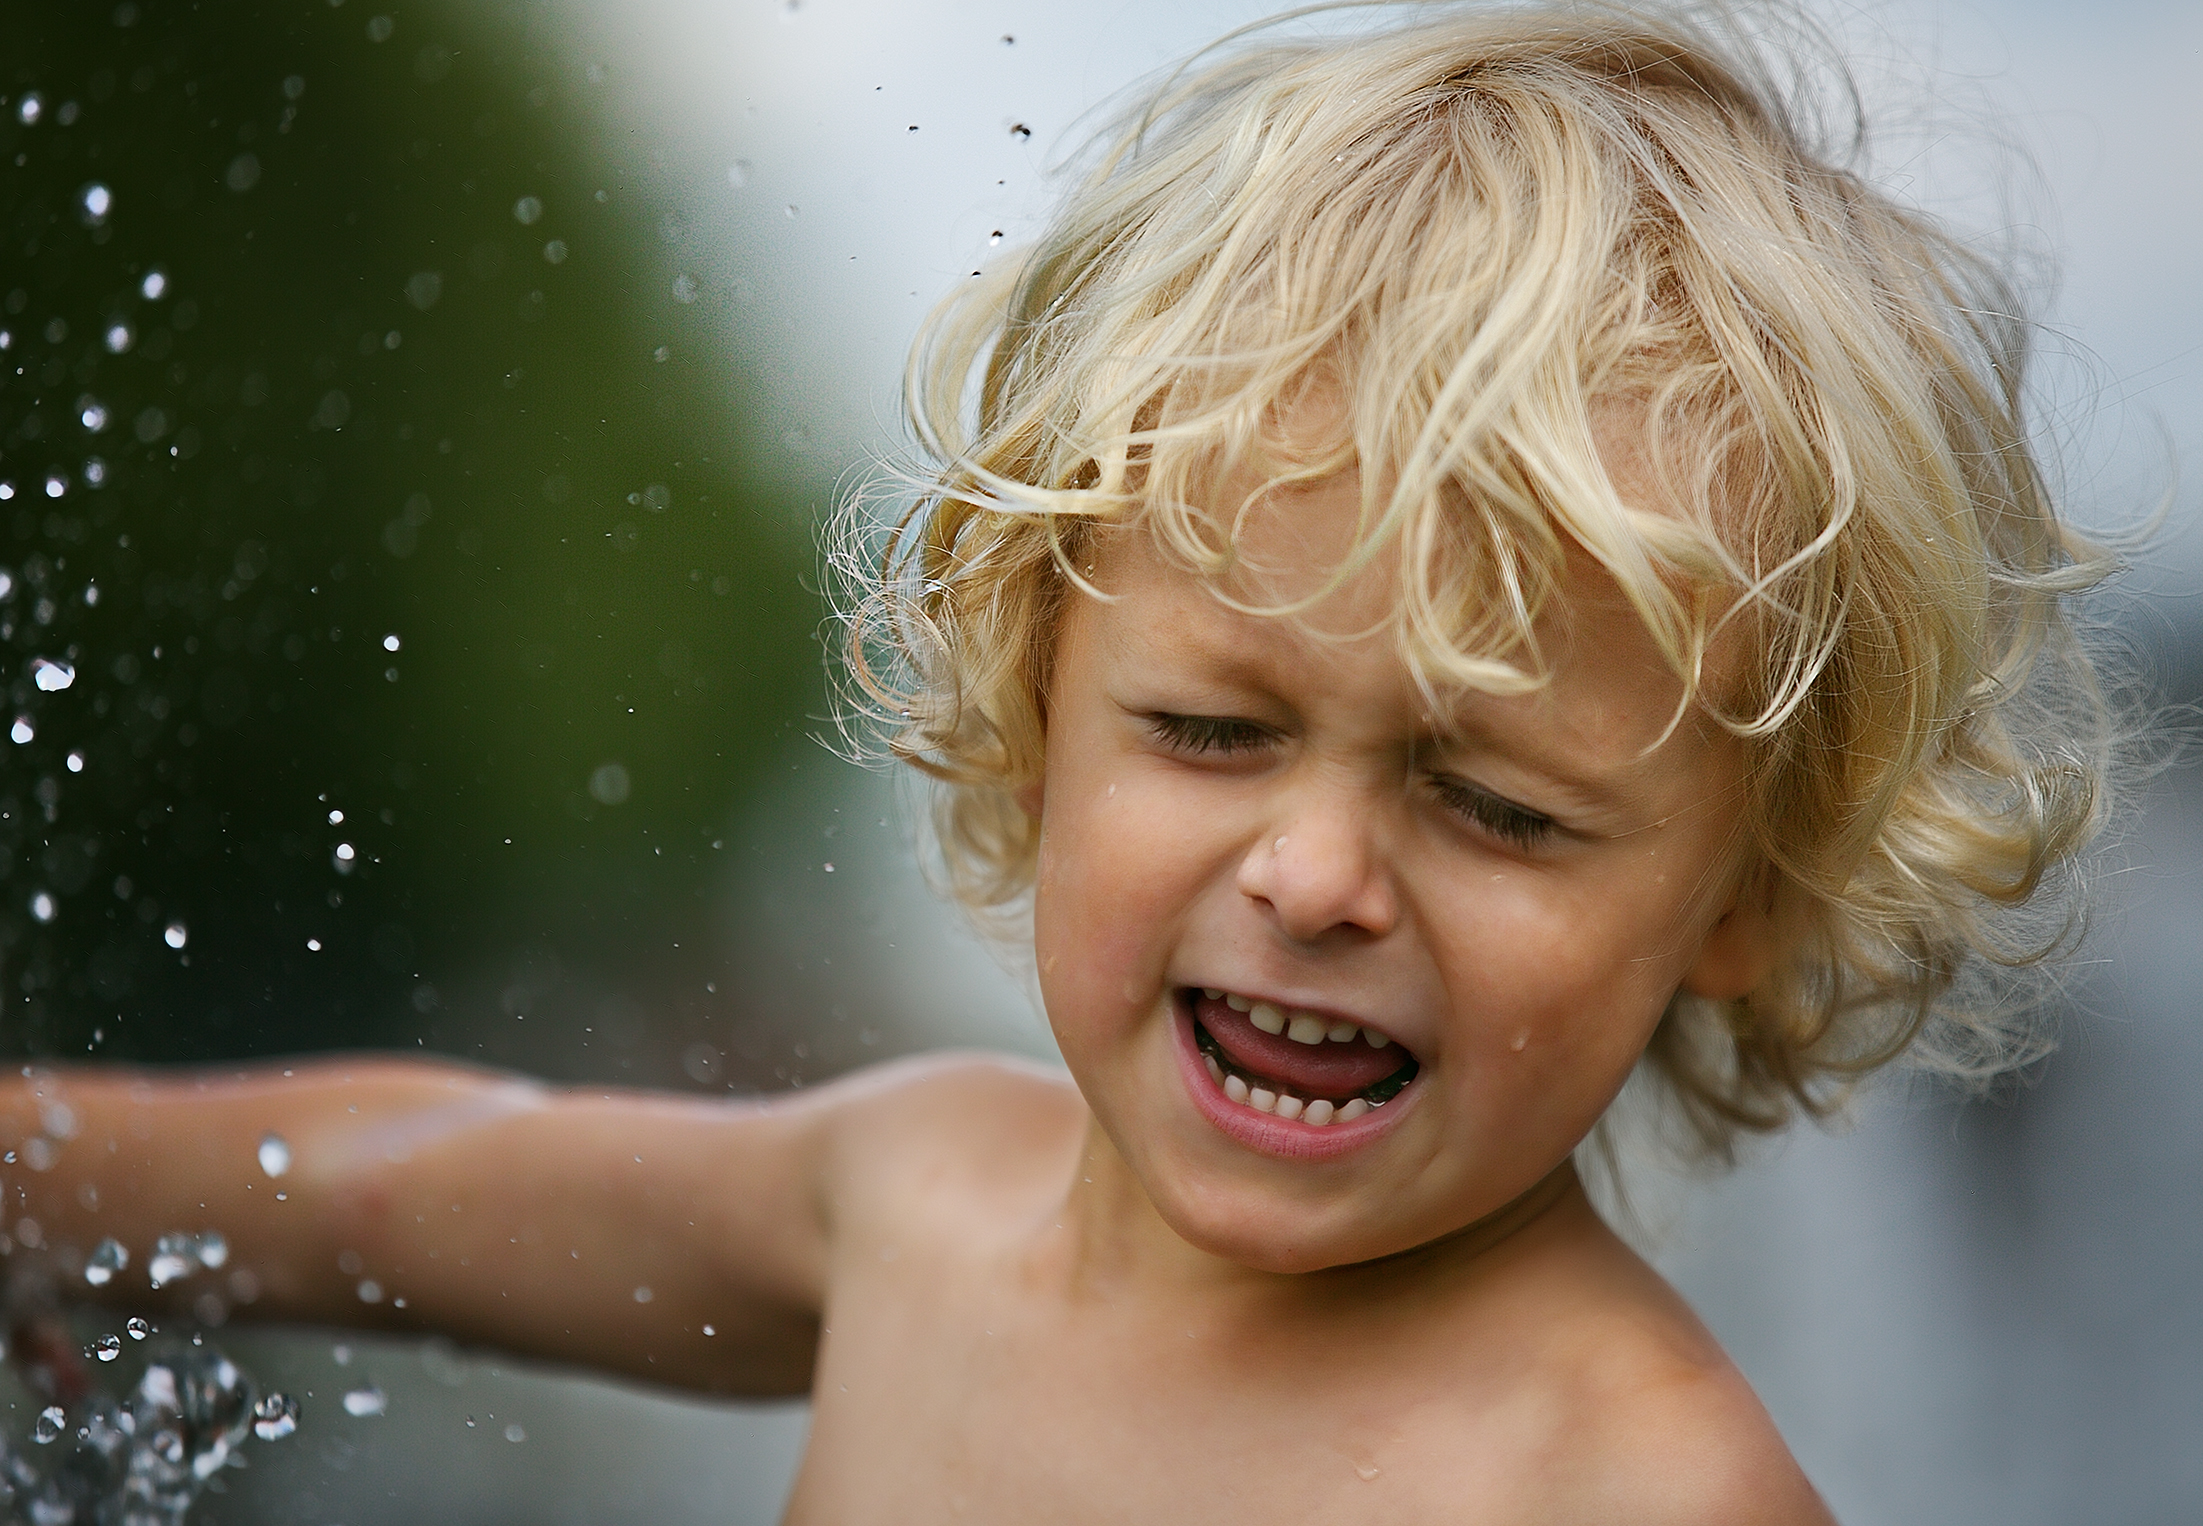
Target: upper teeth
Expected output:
[1300,1027]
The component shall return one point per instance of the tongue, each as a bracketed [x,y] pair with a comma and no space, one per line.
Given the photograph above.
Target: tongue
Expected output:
[1311,1070]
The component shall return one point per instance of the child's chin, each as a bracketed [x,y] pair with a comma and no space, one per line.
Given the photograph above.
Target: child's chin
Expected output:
[1267,1236]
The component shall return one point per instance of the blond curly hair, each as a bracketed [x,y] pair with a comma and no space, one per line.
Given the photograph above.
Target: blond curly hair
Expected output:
[1479,225]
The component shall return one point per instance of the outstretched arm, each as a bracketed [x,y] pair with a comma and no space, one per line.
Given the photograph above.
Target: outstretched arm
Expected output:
[674,1239]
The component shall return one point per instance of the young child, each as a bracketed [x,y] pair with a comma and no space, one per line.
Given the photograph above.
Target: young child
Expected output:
[1470,562]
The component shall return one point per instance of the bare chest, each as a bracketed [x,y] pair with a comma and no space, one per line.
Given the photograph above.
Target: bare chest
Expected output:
[981,1401]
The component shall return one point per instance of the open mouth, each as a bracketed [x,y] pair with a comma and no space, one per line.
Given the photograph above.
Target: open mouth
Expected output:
[1304,1066]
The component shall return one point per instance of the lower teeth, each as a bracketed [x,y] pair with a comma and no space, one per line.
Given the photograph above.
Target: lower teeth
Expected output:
[1285,1105]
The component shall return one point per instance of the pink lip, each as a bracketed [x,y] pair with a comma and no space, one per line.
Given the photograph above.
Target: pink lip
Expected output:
[1287,1138]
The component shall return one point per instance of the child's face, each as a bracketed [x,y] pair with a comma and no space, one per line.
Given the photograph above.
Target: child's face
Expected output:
[1263,807]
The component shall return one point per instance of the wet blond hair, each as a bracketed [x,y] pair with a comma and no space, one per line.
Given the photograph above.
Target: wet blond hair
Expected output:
[1478,227]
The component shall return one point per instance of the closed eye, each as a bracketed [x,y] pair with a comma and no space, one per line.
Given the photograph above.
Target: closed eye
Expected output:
[1502,818]
[1208,733]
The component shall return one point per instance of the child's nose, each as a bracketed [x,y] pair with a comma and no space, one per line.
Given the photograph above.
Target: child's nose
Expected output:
[1319,871]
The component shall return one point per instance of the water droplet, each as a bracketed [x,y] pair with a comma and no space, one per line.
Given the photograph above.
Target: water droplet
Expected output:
[684,287]
[829,868]
[275,1416]
[515,1434]
[138,1327]
[76,762]
[51,676]
[107,1347]
[30,108]
[172,1260]
[94,202]
[7,491]
[390,643]
[366,1401]
[294,86]
[1020,131]
[175,935]
[154,286]
[92,414]
[738,173]
[243,173]
[313,945]
[610,784]
[43,907]
[56,484]
[644,1295]
[380,28]
[555,251]
[52,1421]
[213,1250]
[344,856]
[275,1155]
[527,211]
[22,731]
[119,337]
[708,1330]
[994,238]
[91,592]
[1367,1473]
[791,209]
[369,1290]
[109,1258]
[424,288]
[336,818]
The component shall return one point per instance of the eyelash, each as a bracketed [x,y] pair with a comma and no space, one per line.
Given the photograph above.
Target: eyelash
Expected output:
[1222,734]
[1208,733]
[1508,822]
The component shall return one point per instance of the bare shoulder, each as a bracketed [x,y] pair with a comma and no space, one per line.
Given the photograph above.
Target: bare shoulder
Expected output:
[1613,1404]
[950,1122]
[1685,1440]
[1663,1425]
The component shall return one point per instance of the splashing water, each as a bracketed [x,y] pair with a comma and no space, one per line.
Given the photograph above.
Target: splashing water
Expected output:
[361,1402]
[274,1417]
[142,1460]
[119,1442]
[100,1267]
[275,1155]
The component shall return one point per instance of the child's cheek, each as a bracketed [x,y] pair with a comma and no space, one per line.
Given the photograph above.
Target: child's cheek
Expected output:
[1096,916]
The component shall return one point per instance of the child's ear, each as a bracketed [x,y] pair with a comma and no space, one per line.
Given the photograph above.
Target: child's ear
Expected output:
[1742,948]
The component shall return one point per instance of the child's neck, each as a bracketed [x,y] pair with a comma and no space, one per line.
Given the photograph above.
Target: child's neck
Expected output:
[1106,1237]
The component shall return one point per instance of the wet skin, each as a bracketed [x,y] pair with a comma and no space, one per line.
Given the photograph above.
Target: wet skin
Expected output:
[1137,1299]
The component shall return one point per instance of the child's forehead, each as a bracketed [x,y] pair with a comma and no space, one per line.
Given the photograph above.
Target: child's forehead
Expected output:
[1295,534]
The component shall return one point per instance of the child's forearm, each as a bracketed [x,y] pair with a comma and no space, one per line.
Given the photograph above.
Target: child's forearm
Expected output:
[380,1192]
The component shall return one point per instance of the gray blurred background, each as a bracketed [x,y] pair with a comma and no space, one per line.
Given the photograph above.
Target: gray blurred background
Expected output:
[537,336]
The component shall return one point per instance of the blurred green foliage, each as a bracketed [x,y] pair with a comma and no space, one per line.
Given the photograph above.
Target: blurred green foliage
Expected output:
[418,368]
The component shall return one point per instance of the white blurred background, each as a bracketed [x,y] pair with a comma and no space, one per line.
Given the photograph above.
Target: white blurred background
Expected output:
[1988,1313]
